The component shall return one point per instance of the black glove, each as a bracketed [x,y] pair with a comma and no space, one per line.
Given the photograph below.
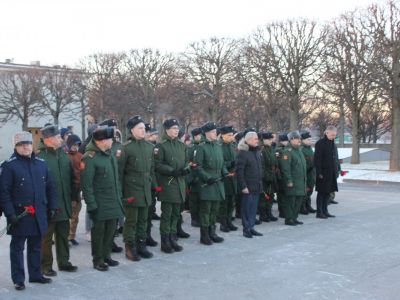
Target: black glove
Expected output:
[185,172]
[12,220]
[211,181]
[176,173]
[51,214]
[93,213]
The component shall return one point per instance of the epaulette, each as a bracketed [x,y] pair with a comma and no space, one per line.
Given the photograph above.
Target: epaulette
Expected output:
[91,154]
[127,142]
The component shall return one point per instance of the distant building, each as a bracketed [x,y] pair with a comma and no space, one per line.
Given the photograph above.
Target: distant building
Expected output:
[8,129]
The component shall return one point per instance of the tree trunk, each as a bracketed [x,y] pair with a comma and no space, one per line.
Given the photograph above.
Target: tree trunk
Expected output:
[294,113]
[355,148]
[395,153]
[25,122]
[341,123]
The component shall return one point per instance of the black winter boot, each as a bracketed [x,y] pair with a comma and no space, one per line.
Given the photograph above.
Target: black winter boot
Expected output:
[213,235]
[131,252]
[166,244]
[142,249]
[180,233]
[224,225]
[173,240]
[204,236]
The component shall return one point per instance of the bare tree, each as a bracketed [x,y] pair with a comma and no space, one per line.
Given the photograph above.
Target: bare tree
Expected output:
[346,75]
[209,65]
[381,27]
[19,95]
[294,49]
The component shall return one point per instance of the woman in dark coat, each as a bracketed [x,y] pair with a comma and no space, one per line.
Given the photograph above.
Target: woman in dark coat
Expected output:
[325,159]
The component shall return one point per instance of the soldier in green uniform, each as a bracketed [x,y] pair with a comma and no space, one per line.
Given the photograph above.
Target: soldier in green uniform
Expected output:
[136,169]
[309,157]
[294,175]
[151,137]
[116,150]
[227,205]
[194,185]
[102,193]
[211,171]
[269,164]
[171,165]
[283,142]
[60,168]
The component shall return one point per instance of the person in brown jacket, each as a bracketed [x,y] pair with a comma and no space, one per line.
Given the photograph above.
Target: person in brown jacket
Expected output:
[73,143]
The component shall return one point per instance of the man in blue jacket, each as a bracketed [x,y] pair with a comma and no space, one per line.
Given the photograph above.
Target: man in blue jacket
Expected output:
[25,181]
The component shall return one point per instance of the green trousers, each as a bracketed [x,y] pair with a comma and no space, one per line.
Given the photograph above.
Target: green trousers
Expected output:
[60,231]
[226,207]
[208,212]
[170,214]
[292,206]
[135,226]
[102,239]
[194,203]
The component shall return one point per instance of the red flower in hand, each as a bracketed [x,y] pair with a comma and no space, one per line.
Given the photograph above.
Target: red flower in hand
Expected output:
[342,173]
[30,209]
[158,189]
[130,199]
[267,197]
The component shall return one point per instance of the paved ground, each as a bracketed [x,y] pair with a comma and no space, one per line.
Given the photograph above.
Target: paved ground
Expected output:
[354,256]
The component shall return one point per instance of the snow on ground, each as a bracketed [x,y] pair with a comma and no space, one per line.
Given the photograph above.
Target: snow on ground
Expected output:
[346,152]
[378,170]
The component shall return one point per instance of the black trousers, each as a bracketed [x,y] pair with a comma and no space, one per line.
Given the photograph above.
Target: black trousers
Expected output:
[322,202]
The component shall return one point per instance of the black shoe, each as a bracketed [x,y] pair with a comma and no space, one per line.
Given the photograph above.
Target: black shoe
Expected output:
[298,222]
[101,267]
[329,215]
[321,216]
[42,280]
[304,212]
[247,234]
[205,237]
[74,242]
[255,232]
[155,217]
[131,252]
[173,240]
[50,273]
[180,233]
[166,244]
[116,248]
[19,286]
[142,249]
[231,226]
[258,222]
[68,268]
[311,210]
[290,223]
[112,263]
[151,242]
[224,226]
[334,202]
[213,235]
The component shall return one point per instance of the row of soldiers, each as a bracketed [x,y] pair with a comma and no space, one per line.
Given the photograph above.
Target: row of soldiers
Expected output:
[119,180]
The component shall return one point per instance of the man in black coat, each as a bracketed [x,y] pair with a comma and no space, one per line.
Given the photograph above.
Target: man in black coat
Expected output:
[326,166]
[25,181]
[249,181]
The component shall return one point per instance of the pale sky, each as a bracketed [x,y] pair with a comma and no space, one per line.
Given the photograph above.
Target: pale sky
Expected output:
[63,31]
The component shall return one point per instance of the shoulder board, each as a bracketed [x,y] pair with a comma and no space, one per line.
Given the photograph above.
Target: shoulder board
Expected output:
[163,142]
[90,154]
[127,142]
